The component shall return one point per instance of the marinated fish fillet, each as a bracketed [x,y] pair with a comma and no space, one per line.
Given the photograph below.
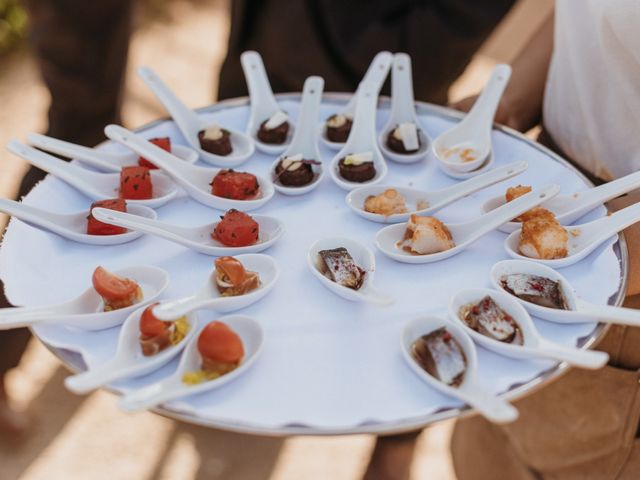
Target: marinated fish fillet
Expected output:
[486,317]
[535,289]
[338,265]
[441,356]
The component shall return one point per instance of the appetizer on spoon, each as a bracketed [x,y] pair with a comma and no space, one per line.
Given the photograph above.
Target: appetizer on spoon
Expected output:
[107,161]
[401,139]
[427,239]
[495,320]
[106,304]
[218,146]
[222,351]
[360,161]
[569,208]
[221,189]
[544,240]
[396,204]
[236,232]
[77,226]
[443,355]
[235,283]
[145,344]
[269,125]
[336,129]
[546,294]
[346,267]
[137,185]
[467,145]
[299,170]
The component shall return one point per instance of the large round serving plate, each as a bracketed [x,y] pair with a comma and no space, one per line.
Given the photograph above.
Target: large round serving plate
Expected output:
[329,366]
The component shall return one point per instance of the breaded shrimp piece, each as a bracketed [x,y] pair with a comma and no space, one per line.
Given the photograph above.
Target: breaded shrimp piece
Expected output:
[517,191]
[426,235]
[387,203]
[543,237]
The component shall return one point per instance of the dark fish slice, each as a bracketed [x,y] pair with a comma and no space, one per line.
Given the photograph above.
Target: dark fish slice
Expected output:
[441,356]
[535,289]
[338,265]
[487,318]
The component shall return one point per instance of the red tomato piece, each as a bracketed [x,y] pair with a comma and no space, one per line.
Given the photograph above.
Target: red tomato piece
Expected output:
[135,183]
[162,142]
[113,288]
[236,229]
[150,326]
[235,185]
[218,343]
[96,227]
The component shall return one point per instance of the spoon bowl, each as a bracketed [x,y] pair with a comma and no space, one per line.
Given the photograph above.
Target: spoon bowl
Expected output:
[578,311]
[466,146]
[583,238]
[263,102]
[375,76]
[196,238]
[100,159]
[463,234]
[172,387]
[208,297]
[470,391]
[363,257]
[485,167]
[422,202]
[533,344]
[305,140]
[86,312]
[195,180]
[72,226]
[190,124]
[129,361]
[403,111]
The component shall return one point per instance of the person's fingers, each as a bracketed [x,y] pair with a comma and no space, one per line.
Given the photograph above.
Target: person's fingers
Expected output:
[465,104]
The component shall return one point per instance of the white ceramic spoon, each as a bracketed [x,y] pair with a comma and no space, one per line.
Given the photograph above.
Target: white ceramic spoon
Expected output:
[263,102]
[569,208]
[196,238]
[362,257]
[71,225]
[86,311]
[305,140]
[463,234]
[579,310]
[375,76]
[422,202]
[361,139]
[173,387]
[533,344]
[403,110]
[470,391]
[209,298]
[190,124]
[474,131]
[458,175]
[129,361]
[194,179]
[583,238]
[97,186]
[102,160]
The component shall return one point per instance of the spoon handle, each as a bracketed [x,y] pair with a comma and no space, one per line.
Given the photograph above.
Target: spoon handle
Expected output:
[609,314]
[484,109]
[459,190]
[375,76]
[141,224]
[362,135]
[70,173]
[71,150]
[602,228]
[152,395]
[507,212]
[305,138]
[26,316]
[591,359]
[173,309]
[91,379]
[263,102]
[184,117]
[29,214]
[402,99]
[491,407]
[607,191]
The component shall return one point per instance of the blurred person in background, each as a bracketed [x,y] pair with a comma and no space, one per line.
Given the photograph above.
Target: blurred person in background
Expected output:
[580,74]
[82,51]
